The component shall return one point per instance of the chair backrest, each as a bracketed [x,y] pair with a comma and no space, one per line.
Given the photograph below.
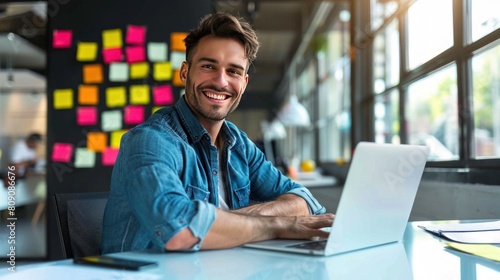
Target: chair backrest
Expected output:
[79,217]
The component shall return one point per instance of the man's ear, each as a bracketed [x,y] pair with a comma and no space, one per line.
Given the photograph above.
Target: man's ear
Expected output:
[184,72]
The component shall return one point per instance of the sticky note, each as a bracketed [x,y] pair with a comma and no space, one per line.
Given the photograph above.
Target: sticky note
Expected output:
[139,94]
[92,74]
[86,51]
[62,39]
[135,54]
[84,158]
[86,116]
[136,35]
[118,72]
[116,137]
[133,114]
[61,152]
[88,95]
[139,70]
[111,120]
[97,141]
[162,71]
[162,95]
[112,55]
[109,156]
[112,38]
[116,97]
[176,81]
[157,52]
[63,98]
[177,41]
[176,59]
[155,108]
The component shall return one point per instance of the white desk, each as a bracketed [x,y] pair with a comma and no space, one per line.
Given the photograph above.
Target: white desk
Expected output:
[419,256]
[315,182]
[29,190]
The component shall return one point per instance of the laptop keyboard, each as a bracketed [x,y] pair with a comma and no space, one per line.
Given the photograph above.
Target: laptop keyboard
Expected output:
[313,245]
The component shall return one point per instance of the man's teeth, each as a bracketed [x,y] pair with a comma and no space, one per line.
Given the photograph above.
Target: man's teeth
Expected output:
[216,96]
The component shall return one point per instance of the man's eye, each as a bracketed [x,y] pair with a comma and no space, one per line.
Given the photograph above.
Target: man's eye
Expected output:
[208,66]
[235,72]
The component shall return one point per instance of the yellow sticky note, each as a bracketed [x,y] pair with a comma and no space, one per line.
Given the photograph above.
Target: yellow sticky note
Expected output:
[139,94]
[63,98]
[156,108]
[116,137]
[139,70]
[92,74]
[483,250]
[162,71]
[112,38]
[116,97]
[88,95]
[97,141]
[86,51]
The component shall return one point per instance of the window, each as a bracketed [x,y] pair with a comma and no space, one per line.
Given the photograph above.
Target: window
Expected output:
[386,116]
[486,102]
[484,17]
[432,115]
[430,30]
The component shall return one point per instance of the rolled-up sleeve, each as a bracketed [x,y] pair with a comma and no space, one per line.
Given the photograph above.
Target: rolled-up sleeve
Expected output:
[314,206]
[202,222]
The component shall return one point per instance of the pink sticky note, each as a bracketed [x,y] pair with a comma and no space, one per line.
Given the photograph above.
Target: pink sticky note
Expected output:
[133,114]
[62,39]
[112,55]
[136,35]
[109,156]
[62,152]
[86,116]
[162,95]
[135,54]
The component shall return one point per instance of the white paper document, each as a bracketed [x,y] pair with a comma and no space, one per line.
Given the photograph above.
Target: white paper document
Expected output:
[475,233]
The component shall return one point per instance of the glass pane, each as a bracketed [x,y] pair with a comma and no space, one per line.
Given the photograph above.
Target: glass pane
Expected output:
[382,9]
[432,115]
[430,30]
[485,17]
[386,115]
[386,58]
[486,102]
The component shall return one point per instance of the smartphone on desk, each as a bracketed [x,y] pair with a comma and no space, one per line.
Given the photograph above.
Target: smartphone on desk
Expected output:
[114,262]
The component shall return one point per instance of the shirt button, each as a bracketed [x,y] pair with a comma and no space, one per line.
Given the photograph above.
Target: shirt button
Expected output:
[158,233]
[214,172]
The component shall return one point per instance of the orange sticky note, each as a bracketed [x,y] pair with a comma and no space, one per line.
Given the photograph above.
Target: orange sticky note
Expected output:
[62,152]
[109,156]
[88,95]
[162,71]
[63,98]
[92,74]
[176,81]
[116,97]
[97,141]
[177,41]
[139,94]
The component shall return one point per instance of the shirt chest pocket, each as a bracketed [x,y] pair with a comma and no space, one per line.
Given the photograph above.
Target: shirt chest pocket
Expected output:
[242,195]
[196,193]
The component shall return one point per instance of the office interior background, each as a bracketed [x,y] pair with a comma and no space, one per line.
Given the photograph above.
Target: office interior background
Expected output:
[421,72]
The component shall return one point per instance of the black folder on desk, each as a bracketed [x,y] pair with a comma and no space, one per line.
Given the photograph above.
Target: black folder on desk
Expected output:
[472,233]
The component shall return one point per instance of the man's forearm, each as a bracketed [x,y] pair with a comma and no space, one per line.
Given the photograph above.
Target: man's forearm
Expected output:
[284,205]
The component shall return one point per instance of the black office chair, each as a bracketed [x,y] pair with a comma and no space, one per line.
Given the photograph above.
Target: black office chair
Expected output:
[79,218]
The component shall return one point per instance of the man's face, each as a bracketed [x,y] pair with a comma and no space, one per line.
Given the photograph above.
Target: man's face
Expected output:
[216,77]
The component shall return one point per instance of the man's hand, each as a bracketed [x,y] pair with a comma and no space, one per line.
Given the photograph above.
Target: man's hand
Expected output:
[284,205]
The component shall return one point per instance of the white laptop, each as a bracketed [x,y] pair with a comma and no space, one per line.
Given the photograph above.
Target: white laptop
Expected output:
[375,205]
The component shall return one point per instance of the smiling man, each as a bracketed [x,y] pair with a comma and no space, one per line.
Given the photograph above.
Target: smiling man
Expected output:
[183,179]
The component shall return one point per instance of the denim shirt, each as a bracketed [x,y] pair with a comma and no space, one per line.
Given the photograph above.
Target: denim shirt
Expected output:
[166,179]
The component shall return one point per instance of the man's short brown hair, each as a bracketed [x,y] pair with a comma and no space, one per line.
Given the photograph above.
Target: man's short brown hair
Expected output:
[226,26]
